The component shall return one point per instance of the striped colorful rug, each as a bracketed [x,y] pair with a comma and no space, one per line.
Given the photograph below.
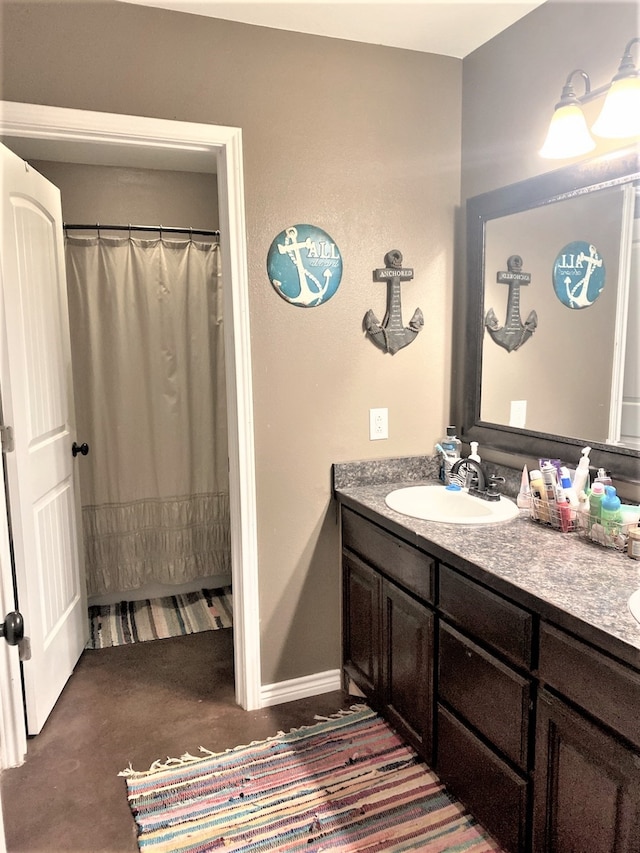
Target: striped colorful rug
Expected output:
[159,618]
[348,783]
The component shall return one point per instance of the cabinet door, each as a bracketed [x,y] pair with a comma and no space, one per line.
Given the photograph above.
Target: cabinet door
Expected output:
[407,666]
[587,785]
[361,624]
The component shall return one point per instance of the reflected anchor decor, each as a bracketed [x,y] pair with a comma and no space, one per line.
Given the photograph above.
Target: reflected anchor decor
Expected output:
[391,335]
[514,333]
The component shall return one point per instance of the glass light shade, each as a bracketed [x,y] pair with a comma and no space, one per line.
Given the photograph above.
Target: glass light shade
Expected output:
[568,134]
[620,115]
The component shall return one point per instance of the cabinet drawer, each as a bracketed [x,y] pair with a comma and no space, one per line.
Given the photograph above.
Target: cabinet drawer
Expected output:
[505,626]
[606,689]
[494,793]
[408,566]
[489,695]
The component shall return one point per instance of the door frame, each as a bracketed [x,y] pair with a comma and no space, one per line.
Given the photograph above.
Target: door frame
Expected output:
[224,145]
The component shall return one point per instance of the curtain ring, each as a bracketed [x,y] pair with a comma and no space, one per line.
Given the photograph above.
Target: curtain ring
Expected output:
[190,234]
[160,230]
[129,230]
[98,229]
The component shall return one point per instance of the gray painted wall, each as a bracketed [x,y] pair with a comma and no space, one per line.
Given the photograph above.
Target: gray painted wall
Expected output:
[115,195]
[364,141]
[511,84]
[350,137]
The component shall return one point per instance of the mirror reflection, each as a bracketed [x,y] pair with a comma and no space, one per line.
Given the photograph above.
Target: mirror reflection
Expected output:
[574,381]
[571,302]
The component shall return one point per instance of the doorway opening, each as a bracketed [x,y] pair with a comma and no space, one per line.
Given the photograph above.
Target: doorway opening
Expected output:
[51,133]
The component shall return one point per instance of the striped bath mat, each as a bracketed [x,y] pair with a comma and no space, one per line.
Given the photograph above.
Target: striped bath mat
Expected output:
[348,783]
[159,618]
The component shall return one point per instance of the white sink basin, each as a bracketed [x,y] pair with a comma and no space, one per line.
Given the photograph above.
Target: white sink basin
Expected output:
[436,503]
[634,605]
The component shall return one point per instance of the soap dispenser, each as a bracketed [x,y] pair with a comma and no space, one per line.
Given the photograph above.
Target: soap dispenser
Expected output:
[474,452]
[581,477]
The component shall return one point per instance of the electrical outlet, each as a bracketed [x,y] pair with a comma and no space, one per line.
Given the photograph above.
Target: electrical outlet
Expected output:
[378,424]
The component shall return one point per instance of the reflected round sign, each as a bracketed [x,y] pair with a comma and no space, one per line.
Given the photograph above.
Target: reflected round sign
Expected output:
[578,274]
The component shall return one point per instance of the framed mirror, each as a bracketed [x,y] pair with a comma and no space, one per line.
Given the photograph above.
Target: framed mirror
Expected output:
[551,331]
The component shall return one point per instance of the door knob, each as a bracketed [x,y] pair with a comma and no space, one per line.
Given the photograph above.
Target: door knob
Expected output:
[79,448]
[12,629]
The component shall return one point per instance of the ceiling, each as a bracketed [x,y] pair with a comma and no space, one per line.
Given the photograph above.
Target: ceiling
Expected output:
[450,27]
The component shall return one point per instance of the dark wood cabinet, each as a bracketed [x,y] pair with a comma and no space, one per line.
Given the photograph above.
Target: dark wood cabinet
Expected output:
[487,616]
[587,785]
[489,696]
[534,730]
[495,794]
[388,633]
[485,706]
[587,776]
[407,667]
[361,625]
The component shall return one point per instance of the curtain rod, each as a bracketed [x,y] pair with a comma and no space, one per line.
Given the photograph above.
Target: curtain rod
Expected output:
[161,228]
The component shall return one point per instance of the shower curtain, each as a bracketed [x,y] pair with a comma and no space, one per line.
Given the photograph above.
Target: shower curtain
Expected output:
[149,381]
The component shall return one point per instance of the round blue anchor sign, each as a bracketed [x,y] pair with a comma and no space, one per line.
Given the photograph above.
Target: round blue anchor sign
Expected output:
[578,274]
[304,265]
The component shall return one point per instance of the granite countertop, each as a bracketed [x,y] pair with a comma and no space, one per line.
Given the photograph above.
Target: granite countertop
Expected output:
[577,584]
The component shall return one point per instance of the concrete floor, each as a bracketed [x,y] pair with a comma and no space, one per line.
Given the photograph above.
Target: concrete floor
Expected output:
[132,704]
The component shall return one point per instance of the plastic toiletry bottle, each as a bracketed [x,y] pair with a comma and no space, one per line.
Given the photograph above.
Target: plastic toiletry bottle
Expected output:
[524,495]
[581,477]
[568,490]
[633,544]
[603,477]
[550,480]
[565,513]
[538,493]
[451,446]
[595,504]
[610,511]
[474,452]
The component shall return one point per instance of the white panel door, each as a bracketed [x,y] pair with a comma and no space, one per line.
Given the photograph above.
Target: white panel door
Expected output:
[38,403]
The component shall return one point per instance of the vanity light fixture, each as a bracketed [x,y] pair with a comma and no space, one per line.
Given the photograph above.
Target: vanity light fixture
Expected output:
[568,134]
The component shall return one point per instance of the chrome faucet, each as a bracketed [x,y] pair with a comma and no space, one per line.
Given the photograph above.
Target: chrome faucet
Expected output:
[477,480]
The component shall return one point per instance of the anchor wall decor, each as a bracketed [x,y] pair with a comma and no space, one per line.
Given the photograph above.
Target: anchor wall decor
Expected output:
[514,333]
[391,335]
[304,265]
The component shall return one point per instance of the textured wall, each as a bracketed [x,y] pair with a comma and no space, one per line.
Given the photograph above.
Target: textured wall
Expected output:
[361,140]
[113,195]
[511,84]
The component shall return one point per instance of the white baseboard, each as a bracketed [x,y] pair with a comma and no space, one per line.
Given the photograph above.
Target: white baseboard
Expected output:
[300,688]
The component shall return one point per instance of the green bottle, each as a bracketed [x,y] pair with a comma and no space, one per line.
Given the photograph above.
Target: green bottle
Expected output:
[596,496]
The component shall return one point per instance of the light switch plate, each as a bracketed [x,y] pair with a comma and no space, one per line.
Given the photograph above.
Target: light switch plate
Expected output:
[518,414]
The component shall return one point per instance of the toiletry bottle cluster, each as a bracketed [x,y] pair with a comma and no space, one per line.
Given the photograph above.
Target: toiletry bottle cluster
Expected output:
[554,499]
[575,503]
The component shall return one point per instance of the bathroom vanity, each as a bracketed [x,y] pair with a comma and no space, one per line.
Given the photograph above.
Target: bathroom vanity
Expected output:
[507,656]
